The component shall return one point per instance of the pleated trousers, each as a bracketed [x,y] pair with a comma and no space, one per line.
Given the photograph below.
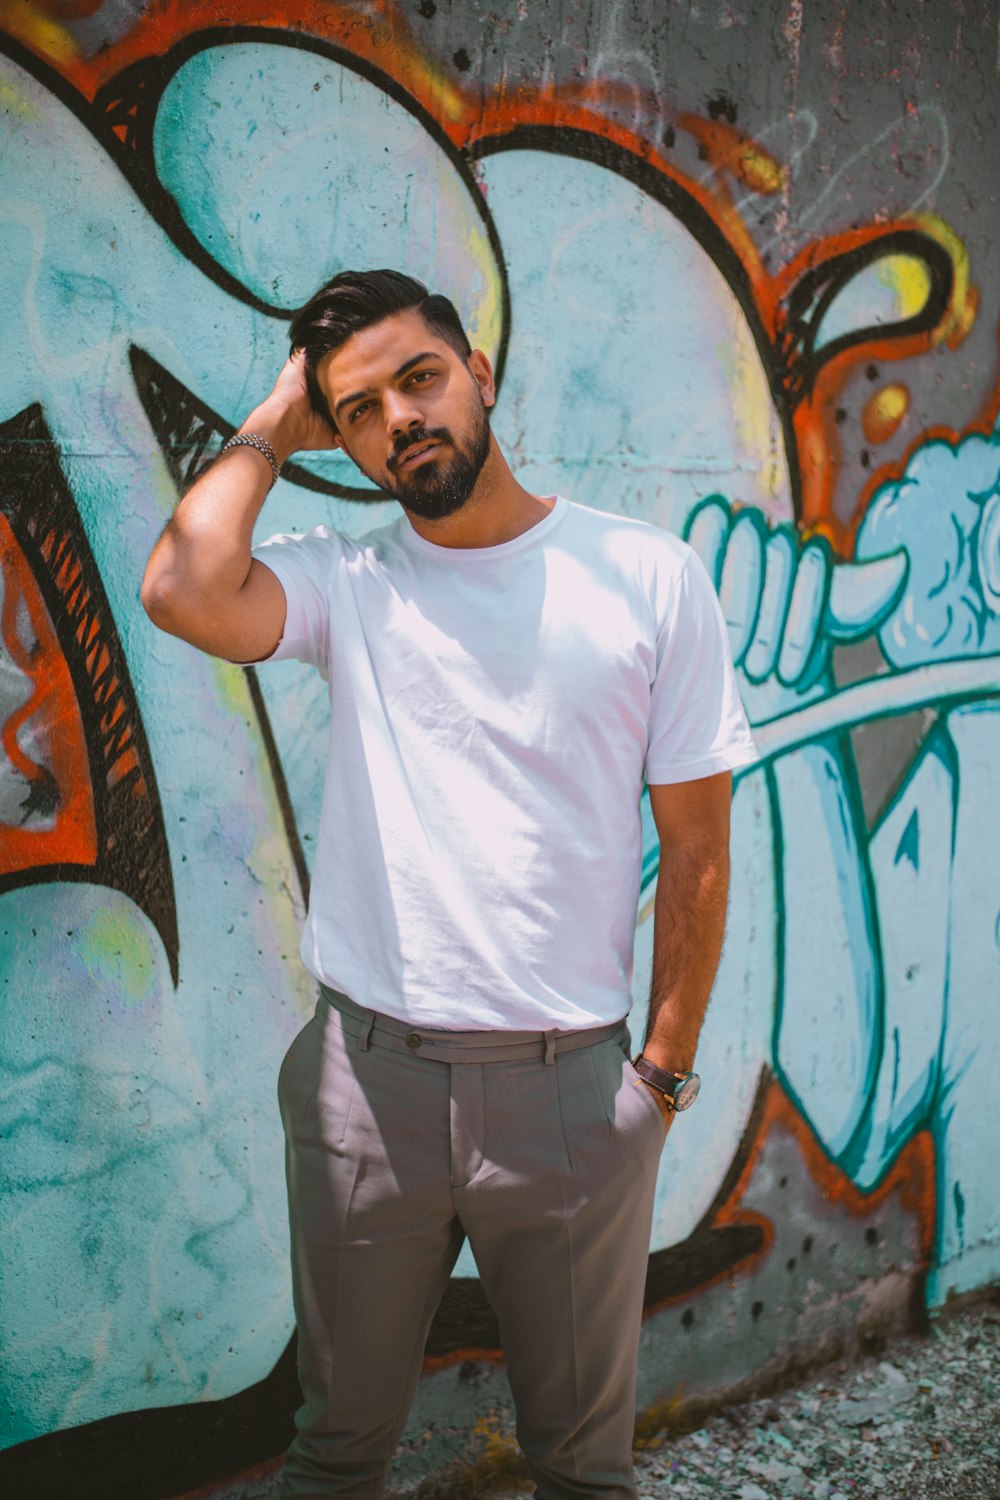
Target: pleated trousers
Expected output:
[401,1142]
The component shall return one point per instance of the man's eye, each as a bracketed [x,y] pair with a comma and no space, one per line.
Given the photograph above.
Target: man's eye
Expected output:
[421,375]
[359,411]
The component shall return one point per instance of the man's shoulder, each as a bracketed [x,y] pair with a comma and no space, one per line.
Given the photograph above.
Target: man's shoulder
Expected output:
[325,545]
[627,540]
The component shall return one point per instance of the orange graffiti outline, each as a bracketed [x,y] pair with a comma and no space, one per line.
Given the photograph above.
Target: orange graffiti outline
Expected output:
[388,42]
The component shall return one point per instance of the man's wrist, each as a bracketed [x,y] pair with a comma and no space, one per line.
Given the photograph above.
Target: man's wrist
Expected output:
[280,424]
[672,1059]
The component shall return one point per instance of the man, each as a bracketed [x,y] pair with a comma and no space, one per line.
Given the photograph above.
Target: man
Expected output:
[504,669]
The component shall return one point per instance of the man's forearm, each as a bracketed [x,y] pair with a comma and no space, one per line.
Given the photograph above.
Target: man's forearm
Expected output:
[204,552]
[688,926]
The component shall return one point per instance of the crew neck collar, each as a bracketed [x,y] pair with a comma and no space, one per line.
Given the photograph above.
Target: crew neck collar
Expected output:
[535,533]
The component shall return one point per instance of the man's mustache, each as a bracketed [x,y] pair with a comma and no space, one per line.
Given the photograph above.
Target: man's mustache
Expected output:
[410,439]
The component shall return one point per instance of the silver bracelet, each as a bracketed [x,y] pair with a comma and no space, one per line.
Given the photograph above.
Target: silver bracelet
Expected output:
[261,444]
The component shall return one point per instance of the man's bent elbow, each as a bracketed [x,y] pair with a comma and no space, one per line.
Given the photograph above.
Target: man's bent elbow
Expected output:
[156,599]
[167,606]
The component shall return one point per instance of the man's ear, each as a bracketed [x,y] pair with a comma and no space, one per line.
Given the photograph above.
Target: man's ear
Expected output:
[482,374]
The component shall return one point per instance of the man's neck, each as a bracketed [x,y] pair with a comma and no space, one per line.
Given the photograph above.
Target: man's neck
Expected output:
[498,510]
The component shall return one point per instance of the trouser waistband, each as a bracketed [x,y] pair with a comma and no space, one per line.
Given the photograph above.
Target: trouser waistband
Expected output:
[435,1045]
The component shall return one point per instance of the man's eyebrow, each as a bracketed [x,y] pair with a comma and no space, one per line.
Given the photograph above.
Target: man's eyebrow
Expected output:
[403,370]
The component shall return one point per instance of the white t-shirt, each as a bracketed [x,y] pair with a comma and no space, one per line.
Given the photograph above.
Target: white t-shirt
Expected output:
[494,711]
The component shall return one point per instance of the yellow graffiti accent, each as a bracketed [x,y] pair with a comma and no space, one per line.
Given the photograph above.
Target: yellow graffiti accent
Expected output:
[909,281]
[13,102]
[449,103]
[964,301]
[231,687]
[486,326]
[758,170]
[729,150]
[114,946]
[752,416]
[40,33]
[883,412]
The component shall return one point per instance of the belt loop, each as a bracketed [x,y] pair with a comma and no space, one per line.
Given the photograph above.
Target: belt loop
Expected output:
[366,1031]
[550,1048]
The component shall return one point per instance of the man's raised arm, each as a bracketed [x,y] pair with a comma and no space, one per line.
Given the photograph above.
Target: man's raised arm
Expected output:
[201,582]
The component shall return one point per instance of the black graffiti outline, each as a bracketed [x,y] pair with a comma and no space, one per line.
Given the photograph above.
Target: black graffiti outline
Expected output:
[809,300]
[152,76]
[191,433]
[790,362]
[134,159]
[133,854]
[582,145]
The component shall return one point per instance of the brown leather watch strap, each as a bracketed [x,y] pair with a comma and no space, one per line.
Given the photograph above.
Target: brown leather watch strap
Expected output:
[659,1077]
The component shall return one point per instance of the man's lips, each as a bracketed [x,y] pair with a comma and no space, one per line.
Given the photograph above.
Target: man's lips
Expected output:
[414,455]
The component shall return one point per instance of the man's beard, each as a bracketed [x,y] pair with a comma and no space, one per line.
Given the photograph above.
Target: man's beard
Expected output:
[441,486]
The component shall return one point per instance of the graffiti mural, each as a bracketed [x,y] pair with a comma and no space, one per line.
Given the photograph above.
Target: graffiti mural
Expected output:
[678,337]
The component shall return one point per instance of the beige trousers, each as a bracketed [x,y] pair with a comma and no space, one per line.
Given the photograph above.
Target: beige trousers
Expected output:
[542,1149]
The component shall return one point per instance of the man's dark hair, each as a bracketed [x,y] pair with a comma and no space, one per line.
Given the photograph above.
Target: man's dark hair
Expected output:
[358,299]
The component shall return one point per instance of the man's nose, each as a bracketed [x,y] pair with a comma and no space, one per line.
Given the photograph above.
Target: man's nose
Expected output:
[401,413]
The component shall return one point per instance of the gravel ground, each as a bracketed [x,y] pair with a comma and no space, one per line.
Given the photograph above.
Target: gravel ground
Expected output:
[922,1421]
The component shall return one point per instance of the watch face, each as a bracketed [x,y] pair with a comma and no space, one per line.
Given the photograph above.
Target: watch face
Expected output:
[686,1091]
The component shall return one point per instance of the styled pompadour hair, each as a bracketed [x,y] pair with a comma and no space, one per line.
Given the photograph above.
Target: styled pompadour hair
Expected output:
[354,300]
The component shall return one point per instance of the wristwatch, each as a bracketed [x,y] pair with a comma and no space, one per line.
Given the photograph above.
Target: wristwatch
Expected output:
[679,1089]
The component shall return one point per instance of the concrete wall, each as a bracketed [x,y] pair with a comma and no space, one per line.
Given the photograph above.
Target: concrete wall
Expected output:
[737,265]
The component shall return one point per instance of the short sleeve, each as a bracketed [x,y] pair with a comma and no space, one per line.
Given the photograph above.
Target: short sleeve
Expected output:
[697,725]
[304,566]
